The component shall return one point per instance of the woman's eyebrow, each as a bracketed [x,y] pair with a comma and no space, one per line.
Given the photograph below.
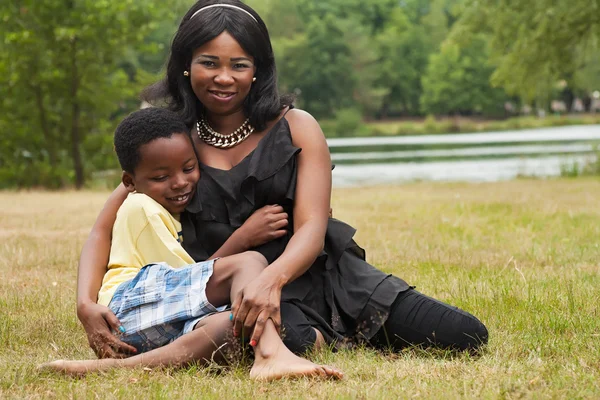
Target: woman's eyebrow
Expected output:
[208,56]
[240,59]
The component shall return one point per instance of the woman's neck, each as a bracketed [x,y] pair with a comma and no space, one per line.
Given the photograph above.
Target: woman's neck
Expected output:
[226,124]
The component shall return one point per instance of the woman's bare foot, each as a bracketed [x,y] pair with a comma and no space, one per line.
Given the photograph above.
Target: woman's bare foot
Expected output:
[281,363]
[76,368]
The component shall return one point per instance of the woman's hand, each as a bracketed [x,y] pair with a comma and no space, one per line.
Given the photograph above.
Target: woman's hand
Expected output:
[258,301]
[97,321]
[265,224]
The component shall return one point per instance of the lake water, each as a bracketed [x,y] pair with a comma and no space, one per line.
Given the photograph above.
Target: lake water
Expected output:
[477,157]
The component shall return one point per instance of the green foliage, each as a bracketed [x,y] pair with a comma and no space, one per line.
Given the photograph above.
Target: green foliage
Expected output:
[534,43]
[65,76]
[69,70]
[348,122]
[457,80]
[443,125]
[313,65]
[590,167]
[403,52]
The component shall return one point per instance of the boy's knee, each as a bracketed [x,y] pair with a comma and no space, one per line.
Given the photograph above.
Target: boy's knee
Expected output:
[255,257]
[219,318]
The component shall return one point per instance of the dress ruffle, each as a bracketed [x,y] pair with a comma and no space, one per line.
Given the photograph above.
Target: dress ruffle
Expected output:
[341,294]
[237,186]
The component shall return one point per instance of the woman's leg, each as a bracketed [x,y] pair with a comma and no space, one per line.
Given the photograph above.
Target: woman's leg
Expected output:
[298,333]
[273,360]
[416,319]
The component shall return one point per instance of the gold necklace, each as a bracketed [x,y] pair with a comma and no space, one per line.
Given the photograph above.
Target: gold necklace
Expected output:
[209,136]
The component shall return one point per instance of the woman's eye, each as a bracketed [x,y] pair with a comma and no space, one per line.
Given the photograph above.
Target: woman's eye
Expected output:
[208,63]
[240,66]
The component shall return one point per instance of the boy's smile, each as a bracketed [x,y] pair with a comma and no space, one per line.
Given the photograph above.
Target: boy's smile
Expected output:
[167,172]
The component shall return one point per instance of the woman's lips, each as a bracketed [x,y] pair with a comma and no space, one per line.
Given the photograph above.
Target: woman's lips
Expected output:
[221,96]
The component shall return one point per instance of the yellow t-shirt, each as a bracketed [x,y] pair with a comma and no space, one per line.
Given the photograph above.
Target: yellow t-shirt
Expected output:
[144,233]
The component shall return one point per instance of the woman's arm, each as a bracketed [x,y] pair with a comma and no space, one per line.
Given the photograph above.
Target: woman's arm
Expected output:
[259,300]
[97,319]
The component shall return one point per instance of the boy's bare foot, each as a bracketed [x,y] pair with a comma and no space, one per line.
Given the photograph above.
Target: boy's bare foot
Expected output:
[282,363]
[76,368]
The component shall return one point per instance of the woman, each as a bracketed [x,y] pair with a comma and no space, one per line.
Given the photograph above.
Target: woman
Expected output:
[256,150]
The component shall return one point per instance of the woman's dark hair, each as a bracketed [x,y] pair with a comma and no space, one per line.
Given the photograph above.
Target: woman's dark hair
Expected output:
[262,104]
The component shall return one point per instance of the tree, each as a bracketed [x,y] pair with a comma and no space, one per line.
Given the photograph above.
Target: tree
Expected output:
[457,80]
[403,54]
[317,65]
[414,30]
[62,79]
[533,43]
[328,54]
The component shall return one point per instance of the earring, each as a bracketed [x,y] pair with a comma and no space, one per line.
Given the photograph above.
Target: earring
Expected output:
[254,79]
[185,73]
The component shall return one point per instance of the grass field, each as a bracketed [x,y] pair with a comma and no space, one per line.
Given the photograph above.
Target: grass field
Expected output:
[443,125]
[523,256]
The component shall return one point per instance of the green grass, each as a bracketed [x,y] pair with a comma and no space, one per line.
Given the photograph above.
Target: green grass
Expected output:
[433,126]
[523,256]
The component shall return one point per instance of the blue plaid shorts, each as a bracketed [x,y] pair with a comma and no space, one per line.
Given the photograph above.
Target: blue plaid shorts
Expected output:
[162,303]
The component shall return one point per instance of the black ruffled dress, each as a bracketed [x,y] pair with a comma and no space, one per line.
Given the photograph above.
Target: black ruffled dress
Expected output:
[343,296]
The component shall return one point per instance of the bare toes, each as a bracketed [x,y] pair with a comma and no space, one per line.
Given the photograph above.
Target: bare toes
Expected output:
[332,372]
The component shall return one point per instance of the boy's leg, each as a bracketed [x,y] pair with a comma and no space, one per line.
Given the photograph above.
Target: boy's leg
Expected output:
[206,343]
[231,274]
[203,344]
[272,359]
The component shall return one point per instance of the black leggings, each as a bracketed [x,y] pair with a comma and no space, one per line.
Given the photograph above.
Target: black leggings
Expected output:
[415,319]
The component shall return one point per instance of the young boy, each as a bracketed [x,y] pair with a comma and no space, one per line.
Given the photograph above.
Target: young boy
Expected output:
[166,303]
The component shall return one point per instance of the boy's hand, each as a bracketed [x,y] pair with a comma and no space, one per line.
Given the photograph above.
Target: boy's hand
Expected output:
[265,224]
[97,321]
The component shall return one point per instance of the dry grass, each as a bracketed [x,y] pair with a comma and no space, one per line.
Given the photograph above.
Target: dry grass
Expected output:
[523,256]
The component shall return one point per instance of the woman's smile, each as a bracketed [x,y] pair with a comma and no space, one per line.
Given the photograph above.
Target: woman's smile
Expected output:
[222,96]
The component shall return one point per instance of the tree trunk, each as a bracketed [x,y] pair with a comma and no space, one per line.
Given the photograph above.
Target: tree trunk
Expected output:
[50,145]
[75,116]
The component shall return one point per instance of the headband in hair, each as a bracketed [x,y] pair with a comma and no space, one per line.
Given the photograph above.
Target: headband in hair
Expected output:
[224,5]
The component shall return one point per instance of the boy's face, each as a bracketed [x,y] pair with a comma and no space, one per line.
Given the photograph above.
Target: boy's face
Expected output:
[167,172]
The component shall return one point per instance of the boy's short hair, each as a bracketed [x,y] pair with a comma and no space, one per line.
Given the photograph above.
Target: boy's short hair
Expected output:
[141,127]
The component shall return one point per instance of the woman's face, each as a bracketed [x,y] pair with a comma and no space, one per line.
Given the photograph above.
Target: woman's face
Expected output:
[221,74]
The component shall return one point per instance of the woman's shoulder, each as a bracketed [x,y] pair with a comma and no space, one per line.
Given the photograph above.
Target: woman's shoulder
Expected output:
[303,126]
[293,115]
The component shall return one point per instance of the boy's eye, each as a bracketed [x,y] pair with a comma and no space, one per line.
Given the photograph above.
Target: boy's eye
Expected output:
[161,178]
[189,169]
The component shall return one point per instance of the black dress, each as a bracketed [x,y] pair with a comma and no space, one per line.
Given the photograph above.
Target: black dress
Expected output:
[342,295]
